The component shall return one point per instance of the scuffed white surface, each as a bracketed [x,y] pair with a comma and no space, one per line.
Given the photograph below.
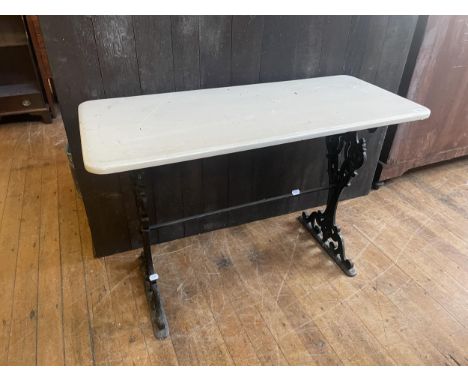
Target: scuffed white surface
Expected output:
[129,133]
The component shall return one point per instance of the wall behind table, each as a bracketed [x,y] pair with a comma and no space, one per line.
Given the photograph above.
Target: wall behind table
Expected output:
[96,57]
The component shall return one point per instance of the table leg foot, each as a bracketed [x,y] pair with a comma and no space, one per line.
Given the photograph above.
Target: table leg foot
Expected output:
[333,245]
[377,185]
[156,307]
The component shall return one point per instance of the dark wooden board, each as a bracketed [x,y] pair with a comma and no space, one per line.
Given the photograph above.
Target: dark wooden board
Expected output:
[108,56]
[215,71]
[119,66]
[154,53]
[71,47]
[398,35]
[77,74]
[357,44]
[106,211]
[310,37]
[275,168]
[247,37]
[186,57]
[186,52]
[169,203]
[153,37]
[278,48]
[374,40]
[336,34]
[115,42]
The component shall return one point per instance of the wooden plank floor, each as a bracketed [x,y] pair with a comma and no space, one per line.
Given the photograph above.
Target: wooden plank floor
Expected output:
[257,294]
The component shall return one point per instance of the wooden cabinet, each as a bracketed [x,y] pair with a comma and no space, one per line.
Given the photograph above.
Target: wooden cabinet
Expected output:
[440,82]
[22,89]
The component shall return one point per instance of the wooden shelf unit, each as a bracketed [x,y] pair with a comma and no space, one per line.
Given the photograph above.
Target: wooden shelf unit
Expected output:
[21,88]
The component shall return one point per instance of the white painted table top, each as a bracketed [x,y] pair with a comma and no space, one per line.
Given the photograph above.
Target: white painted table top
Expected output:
[129,133]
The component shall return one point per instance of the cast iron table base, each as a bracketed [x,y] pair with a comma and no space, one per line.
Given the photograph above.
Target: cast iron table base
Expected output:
[322,225]
[347,147]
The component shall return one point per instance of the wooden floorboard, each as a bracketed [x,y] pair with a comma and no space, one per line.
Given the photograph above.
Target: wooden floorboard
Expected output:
[76,321]
[22,342]
[258,294]
[9,237]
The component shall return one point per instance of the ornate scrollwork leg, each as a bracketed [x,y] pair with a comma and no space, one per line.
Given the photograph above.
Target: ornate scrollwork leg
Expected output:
[322,225]
[158,316]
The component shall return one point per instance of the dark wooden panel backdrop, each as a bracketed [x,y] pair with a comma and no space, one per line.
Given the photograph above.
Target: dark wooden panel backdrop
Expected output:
[111,56]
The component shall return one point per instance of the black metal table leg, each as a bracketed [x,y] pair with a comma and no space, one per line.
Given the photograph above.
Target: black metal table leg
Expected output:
[158,316]
[322,225]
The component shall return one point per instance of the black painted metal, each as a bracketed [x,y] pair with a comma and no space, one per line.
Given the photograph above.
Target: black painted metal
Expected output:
[158,316]
[238,207]
[322,225]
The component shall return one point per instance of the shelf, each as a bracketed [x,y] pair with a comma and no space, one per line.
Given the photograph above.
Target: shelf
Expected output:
[18,89]
[12,32]
[6,44]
